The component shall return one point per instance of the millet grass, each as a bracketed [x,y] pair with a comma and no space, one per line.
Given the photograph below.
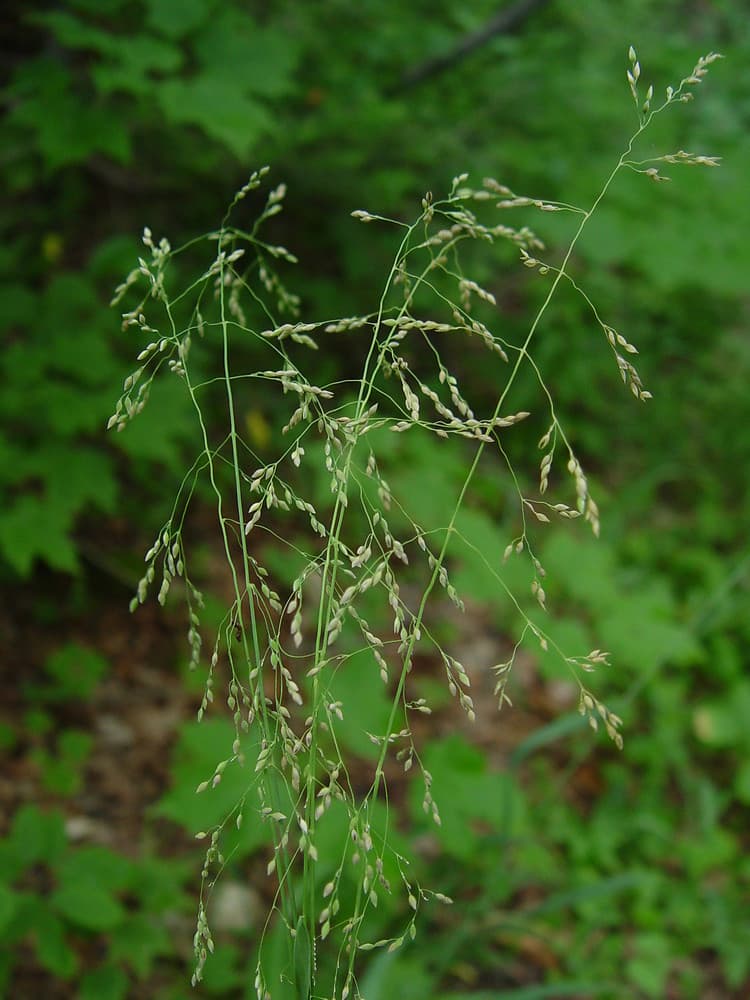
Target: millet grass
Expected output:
[368,569]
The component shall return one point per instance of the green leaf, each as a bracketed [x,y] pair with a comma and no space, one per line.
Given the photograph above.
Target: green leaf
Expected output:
[74,672]
[200,748]
[332,830]
[139,941]
[67,409]
[365,706]
[222,111]
[159,884]
[65,128]
[637,631]
[106,869]
[74,33]
[722,722]
[586,567]
[649,967]
[177,20]
[158,434]
[472,800]
[89,906]
[391,974]
[142,54]
[40,527]
[246,56]
[37,836]
[109,260]
[78,477]
[61,772]
[559,728]
[31,529]
[37,721]
[276,957]
[714,850]
[637,619]
[571,636]
[224,974]
[108,982]
[137,60]
[427,478]
[481,573]
[52,948]
[8,906]
[302,960]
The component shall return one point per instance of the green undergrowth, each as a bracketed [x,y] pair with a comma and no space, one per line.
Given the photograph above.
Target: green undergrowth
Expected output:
[645,871]
[165,125]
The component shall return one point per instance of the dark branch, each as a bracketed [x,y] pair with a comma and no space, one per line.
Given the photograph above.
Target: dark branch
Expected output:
[503,23]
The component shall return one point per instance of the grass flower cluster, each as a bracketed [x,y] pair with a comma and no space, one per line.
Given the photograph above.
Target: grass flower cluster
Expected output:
[369,568]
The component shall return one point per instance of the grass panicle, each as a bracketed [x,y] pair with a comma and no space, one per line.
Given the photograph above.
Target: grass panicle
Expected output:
[367,570]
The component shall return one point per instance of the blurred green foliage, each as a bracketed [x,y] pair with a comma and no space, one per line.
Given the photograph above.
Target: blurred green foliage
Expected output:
[131,112]
[60,896]
[118,113]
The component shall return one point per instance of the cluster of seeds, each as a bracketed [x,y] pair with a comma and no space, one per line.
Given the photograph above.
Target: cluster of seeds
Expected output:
[362,581]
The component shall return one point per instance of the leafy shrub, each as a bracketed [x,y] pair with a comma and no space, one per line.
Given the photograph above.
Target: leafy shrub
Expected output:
[150,110]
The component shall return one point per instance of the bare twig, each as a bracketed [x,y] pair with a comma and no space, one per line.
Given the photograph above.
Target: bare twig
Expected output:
[504,22]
